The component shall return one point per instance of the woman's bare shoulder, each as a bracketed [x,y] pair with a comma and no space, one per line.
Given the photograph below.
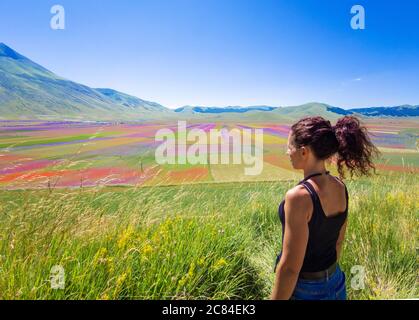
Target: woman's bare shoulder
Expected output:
[298,202]
[297,194]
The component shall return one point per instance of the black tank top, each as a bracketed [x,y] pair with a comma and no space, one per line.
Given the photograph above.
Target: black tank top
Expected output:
[323,232]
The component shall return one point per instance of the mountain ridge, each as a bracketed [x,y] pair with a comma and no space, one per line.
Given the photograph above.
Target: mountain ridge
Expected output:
[30,91]
[310,108]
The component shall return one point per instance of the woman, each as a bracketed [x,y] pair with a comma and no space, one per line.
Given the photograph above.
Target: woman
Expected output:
[314,213]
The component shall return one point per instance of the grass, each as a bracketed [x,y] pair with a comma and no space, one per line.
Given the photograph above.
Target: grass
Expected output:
[208,241]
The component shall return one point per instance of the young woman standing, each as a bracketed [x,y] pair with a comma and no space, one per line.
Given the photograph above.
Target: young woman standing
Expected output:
[314,213]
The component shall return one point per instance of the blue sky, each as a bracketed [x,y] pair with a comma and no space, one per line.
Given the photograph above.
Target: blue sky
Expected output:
[227,52]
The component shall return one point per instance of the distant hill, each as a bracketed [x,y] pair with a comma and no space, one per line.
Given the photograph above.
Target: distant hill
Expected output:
[223,110]
[399,111]
[29,91]
[256,113]
[308,109]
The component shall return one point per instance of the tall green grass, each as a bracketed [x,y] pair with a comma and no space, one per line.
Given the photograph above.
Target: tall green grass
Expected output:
[211,241]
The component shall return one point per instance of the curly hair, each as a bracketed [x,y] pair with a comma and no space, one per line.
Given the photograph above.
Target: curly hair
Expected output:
[348,139]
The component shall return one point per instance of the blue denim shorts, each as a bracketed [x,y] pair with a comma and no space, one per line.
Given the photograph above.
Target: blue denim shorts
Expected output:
[333,288]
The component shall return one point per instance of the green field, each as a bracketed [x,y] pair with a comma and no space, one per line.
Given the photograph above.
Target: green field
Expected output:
[215,241]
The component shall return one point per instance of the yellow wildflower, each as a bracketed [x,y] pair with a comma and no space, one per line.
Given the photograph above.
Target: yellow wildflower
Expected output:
[147,249]
[121,279]
[191,270]
[201,262]
[182,281]
[105,296]
[100,256]
[220,263]
[125,236]
[111,265]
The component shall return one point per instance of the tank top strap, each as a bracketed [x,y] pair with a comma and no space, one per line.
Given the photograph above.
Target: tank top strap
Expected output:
[313,194]
[310,190]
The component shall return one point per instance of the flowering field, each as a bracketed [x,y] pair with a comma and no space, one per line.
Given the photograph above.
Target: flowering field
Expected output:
[73,154]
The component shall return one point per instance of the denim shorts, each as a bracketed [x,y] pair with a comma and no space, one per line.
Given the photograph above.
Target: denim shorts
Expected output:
[333,288]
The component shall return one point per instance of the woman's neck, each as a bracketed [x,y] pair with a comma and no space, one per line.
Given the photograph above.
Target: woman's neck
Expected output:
[318,167]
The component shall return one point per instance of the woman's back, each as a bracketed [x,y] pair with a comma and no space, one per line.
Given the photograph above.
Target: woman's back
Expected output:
[330,211]
[331,193]
[330,208]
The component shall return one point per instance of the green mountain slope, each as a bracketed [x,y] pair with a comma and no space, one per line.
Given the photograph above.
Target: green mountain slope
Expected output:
[131,102]
[29,91]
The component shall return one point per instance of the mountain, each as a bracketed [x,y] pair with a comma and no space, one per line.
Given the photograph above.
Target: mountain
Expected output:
[230,109]
[261,113]
[132,102]
[29,91]
[399,111]
[308,109]
[297,112]
[256,113]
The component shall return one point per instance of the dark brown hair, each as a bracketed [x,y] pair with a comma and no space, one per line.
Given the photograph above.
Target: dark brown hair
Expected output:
[348,139]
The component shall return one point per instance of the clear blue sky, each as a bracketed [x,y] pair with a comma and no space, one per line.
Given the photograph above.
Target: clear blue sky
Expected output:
[227,52]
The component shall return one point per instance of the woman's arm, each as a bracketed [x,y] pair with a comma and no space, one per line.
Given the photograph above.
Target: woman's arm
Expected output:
[298,206]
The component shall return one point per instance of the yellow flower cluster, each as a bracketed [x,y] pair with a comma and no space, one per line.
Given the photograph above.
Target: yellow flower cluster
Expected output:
[100,256]
[162,232]
[402,198]
[104,296]
[219,264]
[125,237]
[146,250]
[121,279]
[201,262]
[188,276]
[119,283]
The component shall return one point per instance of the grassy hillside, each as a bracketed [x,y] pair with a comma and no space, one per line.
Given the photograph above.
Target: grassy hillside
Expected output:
[191,242]
[29,91]
[131,102]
